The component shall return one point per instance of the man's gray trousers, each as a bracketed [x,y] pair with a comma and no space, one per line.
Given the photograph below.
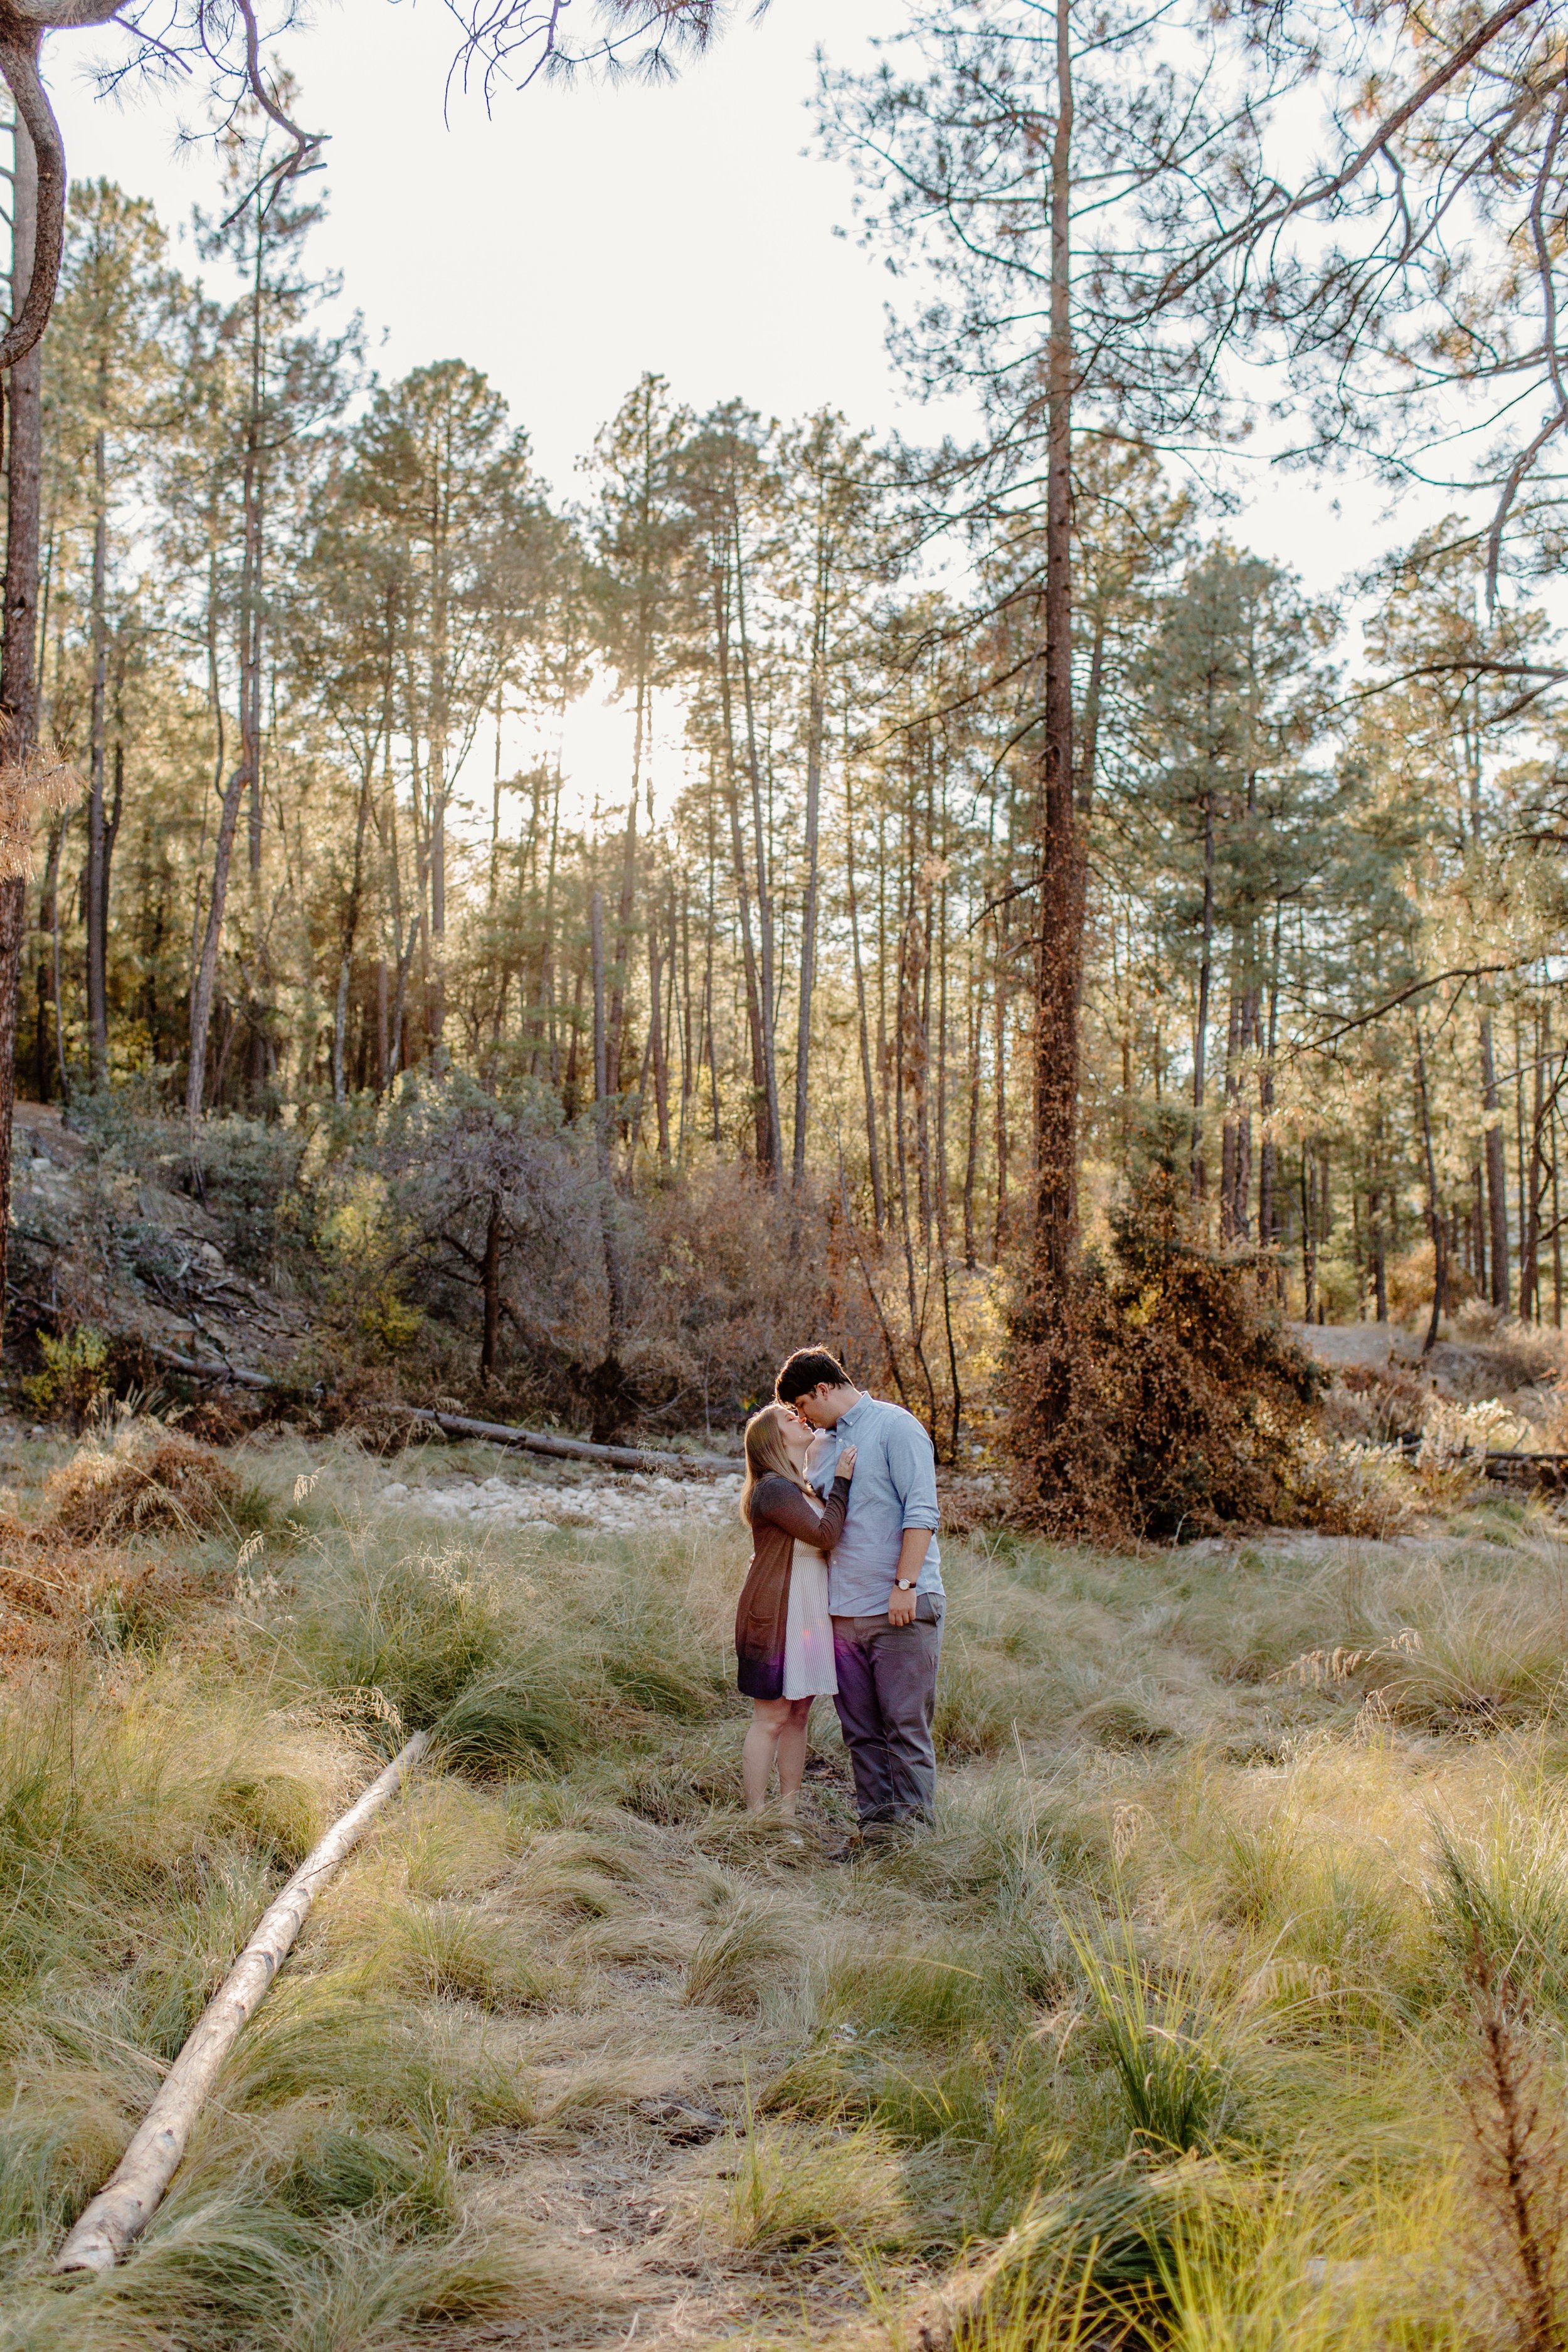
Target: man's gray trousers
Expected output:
[887,1697]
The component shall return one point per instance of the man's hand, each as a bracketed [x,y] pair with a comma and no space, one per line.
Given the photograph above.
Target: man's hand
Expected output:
[912,1559]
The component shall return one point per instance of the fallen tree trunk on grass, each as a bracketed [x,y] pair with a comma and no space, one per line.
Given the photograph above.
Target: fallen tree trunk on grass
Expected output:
[571,1449]
[124,2205]
[1515,1469]
[235,1372]
[492,1432]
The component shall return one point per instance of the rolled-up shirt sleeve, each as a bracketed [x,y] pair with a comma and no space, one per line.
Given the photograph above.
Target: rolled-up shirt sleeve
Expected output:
[911,1467]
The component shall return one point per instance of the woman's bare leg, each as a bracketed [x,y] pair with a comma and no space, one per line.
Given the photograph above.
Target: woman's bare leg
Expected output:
[768,1718]
[792,1755]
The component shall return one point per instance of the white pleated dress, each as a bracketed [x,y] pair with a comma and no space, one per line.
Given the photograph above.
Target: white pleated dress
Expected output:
[808,1628]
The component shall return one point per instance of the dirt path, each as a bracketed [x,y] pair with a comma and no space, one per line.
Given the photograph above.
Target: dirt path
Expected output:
[622,2188]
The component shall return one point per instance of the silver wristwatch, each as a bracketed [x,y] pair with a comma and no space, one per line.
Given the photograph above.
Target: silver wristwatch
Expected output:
[905,1584]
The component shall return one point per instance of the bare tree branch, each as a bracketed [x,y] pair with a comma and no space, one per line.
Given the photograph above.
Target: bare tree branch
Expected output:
[20,42]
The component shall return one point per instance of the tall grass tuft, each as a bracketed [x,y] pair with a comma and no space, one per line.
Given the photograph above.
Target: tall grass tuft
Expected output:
[459,1951]
[1175,2083]
[514,1718]
[739,1958]
[418,1630]
[799,2186]
[1505,1889]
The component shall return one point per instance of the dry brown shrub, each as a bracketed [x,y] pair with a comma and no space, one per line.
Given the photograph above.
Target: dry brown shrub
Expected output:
[1349,1490]
[217,1420]
[979,1499]
[147,1476]
[49,1587]
[1162,1398]
[1520,2174]
[1522,1355]
[1376,1403]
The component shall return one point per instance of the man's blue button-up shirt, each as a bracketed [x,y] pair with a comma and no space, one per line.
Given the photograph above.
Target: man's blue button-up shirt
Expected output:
[893,1488]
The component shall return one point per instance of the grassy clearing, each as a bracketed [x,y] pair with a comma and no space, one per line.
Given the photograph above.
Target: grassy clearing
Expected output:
[1164,2029]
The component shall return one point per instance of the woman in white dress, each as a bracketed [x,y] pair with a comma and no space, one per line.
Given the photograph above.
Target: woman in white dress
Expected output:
[784,1634]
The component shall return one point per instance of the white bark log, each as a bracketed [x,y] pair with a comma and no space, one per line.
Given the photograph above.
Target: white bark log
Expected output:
[124,2205]
[573,1449]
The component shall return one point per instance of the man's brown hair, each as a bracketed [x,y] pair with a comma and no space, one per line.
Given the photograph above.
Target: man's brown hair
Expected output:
[806,1369]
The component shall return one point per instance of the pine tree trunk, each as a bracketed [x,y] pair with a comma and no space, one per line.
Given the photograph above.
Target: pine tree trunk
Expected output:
[808,916]
[1059,962]
[1228,1151]
[867,1075]
[754,1016]
[19,657]
[46,898]
[346,945]
[614,1045]
[489,1277]
[205,979]
[250,573]
[657,1042]
[606,1380]
[999,1107]
[1533,1191]
[1434,1217]
[111,835]
[97,894]
[602,1135]
[774,1159]
[1268,1149]
[1378,1243]
[975,1014]
[1497,1173]
[1201,1019]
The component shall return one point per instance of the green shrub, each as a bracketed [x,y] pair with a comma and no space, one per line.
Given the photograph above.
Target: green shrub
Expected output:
[75,1374]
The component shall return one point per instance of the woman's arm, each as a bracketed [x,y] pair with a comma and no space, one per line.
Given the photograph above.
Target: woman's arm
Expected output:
[776,1500]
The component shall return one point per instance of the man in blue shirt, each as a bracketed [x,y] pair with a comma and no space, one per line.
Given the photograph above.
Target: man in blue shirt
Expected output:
[884,1584]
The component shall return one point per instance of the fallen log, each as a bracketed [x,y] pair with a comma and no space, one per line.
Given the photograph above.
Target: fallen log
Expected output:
[131,2195]
[1513,1468]
[235,1372]
[573,1449]
[493,1433]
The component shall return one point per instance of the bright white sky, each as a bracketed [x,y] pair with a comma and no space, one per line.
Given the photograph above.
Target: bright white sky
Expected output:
[576,237]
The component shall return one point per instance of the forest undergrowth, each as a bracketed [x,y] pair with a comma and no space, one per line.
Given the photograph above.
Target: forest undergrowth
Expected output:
[1200,2018]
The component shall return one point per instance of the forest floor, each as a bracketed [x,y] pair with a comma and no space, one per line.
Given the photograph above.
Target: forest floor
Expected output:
[575,2052]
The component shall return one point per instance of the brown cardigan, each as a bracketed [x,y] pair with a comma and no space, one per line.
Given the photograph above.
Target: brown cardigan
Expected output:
[781,1516]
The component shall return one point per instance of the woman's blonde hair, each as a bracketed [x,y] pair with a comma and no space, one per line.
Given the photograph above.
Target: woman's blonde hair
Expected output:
[766,1454]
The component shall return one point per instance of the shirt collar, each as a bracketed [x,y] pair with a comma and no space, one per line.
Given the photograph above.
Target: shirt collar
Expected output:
[844,1420]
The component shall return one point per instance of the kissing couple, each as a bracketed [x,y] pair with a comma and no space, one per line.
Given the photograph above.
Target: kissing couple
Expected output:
[844,1597]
